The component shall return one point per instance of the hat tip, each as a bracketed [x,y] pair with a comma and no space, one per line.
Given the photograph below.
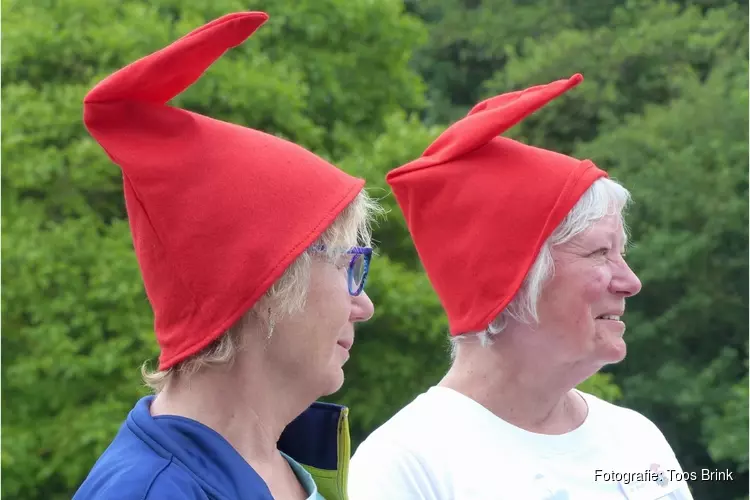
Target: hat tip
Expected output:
[259,15]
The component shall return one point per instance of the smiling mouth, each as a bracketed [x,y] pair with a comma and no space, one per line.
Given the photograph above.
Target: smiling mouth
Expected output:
[611,317]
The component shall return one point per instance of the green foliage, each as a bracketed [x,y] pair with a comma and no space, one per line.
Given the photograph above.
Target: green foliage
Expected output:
[464,49]
[726,429]
[76,328]
[628,65]
[602,385]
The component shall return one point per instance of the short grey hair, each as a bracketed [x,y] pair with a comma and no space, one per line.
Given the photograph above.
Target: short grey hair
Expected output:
[604,197]
[286,296]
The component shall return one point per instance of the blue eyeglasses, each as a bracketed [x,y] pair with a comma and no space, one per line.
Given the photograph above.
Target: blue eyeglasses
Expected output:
[359,267]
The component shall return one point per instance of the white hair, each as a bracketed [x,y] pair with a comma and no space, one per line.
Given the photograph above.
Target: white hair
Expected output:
[285,297]
[604,197]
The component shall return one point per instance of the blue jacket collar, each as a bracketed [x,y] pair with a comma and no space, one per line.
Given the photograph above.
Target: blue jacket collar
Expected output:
[318,439]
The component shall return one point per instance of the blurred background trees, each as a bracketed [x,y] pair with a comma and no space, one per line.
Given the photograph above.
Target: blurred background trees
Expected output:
[368,85]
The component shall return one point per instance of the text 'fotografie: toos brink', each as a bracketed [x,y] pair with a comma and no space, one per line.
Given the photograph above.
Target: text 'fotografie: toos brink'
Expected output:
[660,475]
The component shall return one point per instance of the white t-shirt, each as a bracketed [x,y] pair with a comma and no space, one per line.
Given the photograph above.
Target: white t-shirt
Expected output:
[446,446]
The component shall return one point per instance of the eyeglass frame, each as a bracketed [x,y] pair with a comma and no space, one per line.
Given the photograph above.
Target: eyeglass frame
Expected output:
[366,253]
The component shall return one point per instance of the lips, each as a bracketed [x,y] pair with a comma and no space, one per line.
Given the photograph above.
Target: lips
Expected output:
[346,343]
[613,315]
[609,316]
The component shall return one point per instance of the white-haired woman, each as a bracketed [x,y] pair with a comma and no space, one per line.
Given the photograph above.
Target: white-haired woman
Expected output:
[254,254]
[535,308]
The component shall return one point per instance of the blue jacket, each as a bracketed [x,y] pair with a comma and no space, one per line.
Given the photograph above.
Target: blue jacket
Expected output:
[169,457]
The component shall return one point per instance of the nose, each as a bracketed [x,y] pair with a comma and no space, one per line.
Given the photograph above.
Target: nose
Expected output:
[362,308]
[624,281]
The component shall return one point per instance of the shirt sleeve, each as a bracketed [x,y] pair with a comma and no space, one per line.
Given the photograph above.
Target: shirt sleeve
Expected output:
[673,471]
[383,470]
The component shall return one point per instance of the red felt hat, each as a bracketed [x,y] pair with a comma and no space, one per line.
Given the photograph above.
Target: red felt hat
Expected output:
[479,207]
[217,211]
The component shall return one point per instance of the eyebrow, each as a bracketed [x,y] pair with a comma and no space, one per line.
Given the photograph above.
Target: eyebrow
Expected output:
[623,234]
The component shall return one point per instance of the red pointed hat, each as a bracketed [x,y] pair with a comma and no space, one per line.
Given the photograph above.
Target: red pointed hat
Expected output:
[479,207]
[217,211]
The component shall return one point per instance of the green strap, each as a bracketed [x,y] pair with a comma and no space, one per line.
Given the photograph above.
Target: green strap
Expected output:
[332,483]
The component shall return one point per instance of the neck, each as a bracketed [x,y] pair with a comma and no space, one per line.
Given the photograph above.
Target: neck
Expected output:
[519,389]
[250,415]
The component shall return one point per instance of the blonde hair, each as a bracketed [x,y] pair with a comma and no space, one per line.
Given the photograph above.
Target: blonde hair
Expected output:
[285,297]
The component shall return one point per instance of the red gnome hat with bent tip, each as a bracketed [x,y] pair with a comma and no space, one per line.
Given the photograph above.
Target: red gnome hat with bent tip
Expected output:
[217,211]
[479,207]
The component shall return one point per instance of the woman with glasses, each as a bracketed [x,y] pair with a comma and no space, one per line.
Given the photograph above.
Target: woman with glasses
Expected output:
[254,255]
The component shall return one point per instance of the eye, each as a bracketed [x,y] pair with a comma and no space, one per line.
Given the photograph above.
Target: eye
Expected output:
[600,252]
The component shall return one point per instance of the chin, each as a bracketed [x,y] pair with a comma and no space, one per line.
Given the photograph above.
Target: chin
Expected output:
[614,353]
[334,381]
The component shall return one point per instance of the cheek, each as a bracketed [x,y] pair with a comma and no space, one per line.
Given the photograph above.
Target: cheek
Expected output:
[572,300]
[331,301]
[570,293]
[596,284]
